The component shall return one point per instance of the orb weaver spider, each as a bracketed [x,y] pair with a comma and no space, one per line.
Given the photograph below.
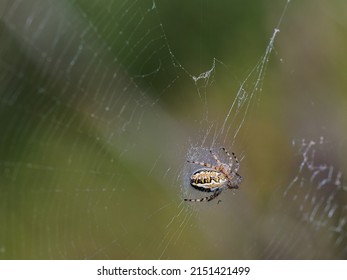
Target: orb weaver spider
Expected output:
[215,178]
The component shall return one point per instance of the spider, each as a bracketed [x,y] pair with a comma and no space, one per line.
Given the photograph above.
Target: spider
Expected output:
[215,178]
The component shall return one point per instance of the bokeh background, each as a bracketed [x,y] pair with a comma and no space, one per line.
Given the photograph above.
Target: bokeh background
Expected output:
[101,106]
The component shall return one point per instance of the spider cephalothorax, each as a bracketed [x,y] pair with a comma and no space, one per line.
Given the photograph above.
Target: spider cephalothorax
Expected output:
[215,178]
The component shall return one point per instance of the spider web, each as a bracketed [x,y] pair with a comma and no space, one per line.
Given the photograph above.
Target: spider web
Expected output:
[103,102]
[317,193]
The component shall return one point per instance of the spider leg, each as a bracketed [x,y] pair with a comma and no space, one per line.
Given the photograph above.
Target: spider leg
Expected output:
[207,198]
[232,158]
[229,156]
[208,165]
[215,194]
[216,158]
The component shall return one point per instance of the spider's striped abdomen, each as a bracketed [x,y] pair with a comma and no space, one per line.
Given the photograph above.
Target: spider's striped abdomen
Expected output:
[207,180]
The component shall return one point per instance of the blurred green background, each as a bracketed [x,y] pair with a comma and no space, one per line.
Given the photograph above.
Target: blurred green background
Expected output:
[100,110]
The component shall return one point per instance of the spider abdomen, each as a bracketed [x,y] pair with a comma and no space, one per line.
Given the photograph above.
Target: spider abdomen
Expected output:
[215,178]
[207,180]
